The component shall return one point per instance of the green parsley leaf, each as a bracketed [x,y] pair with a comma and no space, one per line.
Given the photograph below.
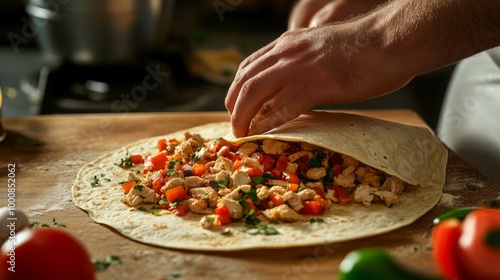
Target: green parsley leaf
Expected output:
[142,208]
[316,220]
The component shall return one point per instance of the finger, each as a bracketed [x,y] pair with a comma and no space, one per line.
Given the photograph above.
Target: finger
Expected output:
[252,96]
[252,65]
[277,113]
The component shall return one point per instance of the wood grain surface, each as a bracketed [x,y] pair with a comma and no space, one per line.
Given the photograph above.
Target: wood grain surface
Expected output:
[48,152]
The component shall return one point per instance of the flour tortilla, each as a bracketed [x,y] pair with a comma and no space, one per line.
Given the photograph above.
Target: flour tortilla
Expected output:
[411,153]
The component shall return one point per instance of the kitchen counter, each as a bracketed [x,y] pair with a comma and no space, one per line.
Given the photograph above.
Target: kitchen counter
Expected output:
[49,150]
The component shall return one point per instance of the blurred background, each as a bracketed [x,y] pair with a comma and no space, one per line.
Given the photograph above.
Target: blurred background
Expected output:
[113,56]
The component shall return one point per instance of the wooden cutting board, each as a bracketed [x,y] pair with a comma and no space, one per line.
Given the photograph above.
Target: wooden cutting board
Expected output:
[48,152]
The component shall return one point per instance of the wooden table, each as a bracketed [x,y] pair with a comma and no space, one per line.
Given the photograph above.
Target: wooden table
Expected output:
[48,151]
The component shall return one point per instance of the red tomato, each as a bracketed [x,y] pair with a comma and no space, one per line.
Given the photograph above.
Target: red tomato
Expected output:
[280,166]
[136,159]
[341,194]
[198,169]
[222,220]
[179,209]
[176,193]
[268,162]
[445,237]
[221,209]
[479,244]
[312,207]
[45,254]
[162,144]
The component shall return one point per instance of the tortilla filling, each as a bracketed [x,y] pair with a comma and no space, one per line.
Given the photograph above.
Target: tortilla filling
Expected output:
[270,180]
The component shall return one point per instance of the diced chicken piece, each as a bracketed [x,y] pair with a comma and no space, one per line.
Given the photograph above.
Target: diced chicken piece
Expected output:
[140,194]
[239,178]
[316,173]
[364,194]
[203,155]
[293,200]
[278,189]
[393,184]
[330,194]
[132,176]
[223,192]
[388,197]
[236,193]
[222,163]
[368,176]
[222,176]
[282,213]
[346,178]
[194,182]
[198,206]
[187,148]
[223,151]
[291,167]
[349,161]
[235,209]
[274,182]
[206,193]
[172,183]
[306,194]
[195,136]
[312,185]
[250,162]
[207,222]
[274,147]
[306,147]
[247,148]
[295,156]
[263,192]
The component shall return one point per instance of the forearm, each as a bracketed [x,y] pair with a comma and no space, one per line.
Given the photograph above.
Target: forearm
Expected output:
[434,33]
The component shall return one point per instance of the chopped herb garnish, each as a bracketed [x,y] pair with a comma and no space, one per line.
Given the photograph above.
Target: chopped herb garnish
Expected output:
[139,187]
[155,212]
[210,219]
[262,229]
[171,167]
[103,265]
[142,197]
[350,190]
[95,182]
[175,202]
[54,223]
[316,220]
[142,208]
[125,161]
[226,231]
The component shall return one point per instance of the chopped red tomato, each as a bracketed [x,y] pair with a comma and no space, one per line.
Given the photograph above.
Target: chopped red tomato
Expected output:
[276,198]
[179,209]
[157,184]
[127,186]
[177,193]
[280,166]
[341,194]
[250,205]
[162,144]
[337,169]
[158,161]
[136,159]
[223,215]
[291,177]
[236,164]
[198,169]
[268,162]
[222,220]
[258,156]
[312,207]
[253,171]
[221,209]
[320,192]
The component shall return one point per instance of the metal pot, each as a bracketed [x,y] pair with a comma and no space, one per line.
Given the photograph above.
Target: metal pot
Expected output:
[100,32]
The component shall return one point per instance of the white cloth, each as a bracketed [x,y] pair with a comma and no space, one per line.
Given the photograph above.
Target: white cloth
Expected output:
[470,118]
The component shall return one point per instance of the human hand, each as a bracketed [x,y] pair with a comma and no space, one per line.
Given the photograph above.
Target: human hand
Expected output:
[326,65]
[313,13]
